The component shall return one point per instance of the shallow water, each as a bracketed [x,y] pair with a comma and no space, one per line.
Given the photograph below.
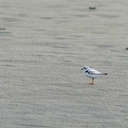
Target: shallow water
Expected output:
[43,45]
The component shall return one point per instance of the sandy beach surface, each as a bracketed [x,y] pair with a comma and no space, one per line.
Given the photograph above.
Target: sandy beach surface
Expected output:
[44,44]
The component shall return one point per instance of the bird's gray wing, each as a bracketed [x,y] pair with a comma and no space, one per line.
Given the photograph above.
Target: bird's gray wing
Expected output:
[93,71]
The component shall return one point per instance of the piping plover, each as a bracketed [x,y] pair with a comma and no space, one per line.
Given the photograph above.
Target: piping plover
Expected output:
[92,73]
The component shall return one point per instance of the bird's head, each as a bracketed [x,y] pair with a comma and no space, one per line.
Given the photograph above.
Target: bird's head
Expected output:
[85,68]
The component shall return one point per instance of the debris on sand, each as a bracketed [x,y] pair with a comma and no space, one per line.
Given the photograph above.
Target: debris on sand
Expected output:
[92,8]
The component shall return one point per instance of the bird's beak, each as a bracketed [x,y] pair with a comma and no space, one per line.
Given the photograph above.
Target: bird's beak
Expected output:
[81,68]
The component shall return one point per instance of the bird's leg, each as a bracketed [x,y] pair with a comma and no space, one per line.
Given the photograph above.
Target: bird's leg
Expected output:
[92,81]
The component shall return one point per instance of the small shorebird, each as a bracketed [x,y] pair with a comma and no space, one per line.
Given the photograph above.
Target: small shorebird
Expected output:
[92,73]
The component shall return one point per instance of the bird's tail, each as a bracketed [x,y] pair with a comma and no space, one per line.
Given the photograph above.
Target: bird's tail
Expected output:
[105,74]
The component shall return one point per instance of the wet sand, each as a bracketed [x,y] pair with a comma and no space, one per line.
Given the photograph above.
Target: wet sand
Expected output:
[43,45]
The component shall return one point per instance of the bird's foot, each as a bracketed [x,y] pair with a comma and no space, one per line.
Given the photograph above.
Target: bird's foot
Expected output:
[91,83]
